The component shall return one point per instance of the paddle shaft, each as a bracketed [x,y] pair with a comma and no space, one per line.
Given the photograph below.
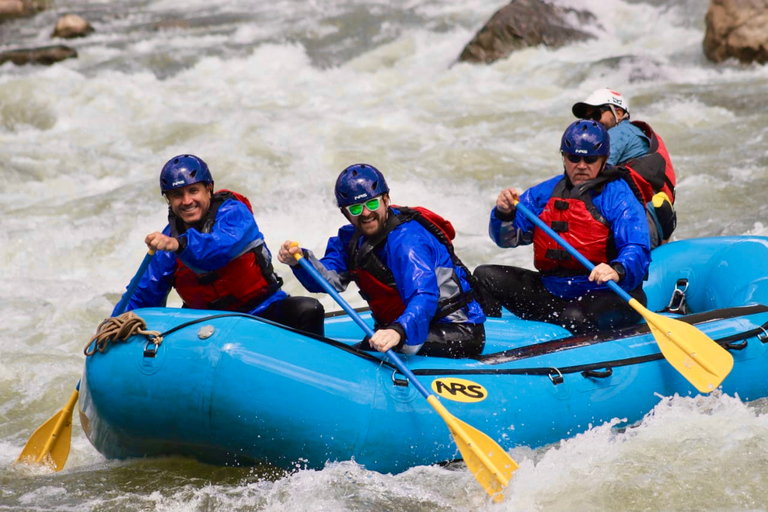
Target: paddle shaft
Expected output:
[306,265]
[569,248]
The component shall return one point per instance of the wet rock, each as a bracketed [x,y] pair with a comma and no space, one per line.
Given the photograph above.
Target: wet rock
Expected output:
[525,23]
[71,26]
[10,9]
[45,55]
[737,29]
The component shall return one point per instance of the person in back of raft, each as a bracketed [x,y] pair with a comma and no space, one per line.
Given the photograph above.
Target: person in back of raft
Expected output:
[403,262]
[595,211]
[213,253]
[638,149]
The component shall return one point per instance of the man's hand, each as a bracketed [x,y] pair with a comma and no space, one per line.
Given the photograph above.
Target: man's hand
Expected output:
[160,242]
[603,273]
[287,251]
[385,339]
[506,201]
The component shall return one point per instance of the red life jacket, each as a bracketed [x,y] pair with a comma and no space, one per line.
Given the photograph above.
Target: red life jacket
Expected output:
[240,285]
[571,213]
[655,167]
[376,281]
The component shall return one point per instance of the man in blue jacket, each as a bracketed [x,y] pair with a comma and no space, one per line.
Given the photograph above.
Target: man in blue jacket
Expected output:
[402,261]
[213,253]
[592,208]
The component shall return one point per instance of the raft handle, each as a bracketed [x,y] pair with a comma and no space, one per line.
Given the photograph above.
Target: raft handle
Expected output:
[556,379]
[397,381]
[736,345]
[598,374]
[763,337]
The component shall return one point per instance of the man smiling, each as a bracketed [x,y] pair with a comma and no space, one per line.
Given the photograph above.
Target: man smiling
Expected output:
[402,260]
[599,215]
[213,253]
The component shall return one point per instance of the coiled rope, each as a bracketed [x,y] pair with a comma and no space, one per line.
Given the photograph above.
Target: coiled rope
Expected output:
[120,328]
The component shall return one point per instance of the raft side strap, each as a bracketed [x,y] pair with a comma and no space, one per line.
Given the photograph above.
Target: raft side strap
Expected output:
[560,344]
[733,342]
[328,341]
[544,370]
[760,332]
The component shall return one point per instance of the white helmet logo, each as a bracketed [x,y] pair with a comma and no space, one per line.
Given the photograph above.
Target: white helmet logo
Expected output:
[177,183]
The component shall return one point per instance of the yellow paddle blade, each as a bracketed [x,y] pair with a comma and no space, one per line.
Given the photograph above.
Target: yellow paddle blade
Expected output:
[49,444]
[691,352]
[490,464]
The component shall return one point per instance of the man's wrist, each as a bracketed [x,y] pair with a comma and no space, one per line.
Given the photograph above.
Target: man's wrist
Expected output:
[505,216]
[182,240]
[400,330]
[619,269]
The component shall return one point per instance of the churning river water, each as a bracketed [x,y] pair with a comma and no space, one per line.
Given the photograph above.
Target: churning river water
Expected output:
[278,97]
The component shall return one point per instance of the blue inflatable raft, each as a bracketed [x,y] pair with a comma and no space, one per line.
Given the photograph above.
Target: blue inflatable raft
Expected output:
[234,389]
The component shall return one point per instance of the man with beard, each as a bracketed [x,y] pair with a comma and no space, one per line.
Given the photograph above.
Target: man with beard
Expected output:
[402,261]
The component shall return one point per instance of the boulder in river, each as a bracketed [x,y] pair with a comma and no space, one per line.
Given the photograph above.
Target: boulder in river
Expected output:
[45,55]
[737,29]
[525,23]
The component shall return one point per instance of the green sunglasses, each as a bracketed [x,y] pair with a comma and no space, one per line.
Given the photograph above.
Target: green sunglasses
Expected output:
[356,209]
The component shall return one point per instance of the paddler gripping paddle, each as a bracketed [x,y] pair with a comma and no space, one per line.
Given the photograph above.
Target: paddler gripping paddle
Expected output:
[489,463]
[691,352]
[50,443]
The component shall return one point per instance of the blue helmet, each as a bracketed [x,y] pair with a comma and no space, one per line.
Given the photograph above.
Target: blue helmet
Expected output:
[358,183]
[587,138]
[183,170]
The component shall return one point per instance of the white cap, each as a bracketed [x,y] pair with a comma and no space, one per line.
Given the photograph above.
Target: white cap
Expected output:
[598,98]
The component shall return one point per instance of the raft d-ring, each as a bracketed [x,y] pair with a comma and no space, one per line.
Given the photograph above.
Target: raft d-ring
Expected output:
[397,381]
[151,352]
[763,337]
[556,379]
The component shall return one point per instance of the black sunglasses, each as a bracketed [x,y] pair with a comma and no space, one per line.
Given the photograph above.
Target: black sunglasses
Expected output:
[574,159]
[597,113]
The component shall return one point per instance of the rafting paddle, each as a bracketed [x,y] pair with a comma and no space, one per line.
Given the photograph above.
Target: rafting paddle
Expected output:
[691,352]
[49,444]
[489,463]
